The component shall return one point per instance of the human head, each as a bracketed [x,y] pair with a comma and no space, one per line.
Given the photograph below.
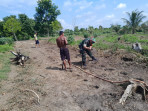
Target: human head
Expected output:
[35,32]
[92,41]
[61,33]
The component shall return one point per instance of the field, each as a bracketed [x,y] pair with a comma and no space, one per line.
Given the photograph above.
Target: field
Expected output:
[74,90]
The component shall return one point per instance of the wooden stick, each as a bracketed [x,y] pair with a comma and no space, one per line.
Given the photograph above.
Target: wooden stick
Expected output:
[14,53]
[99,77]
[38,100]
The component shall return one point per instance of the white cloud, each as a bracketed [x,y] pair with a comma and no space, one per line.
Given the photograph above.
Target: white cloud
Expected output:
[15,12]
[83,4]
[7,3]
[110,16]
[121,5]
[67,3]
[100,7]
[90,19]
[87,14]
[64,24]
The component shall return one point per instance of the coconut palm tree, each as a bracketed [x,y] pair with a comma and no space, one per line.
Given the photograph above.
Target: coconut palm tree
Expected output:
[135,18]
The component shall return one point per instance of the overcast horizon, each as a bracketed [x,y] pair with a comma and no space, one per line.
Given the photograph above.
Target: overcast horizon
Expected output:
[81,13]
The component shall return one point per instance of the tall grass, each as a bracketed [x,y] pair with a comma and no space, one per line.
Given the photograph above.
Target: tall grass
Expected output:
[5,60]
[52,40]
[4,65]
[5,48]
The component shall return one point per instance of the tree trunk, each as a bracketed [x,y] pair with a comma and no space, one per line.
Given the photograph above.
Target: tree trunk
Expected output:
[48,32]
[15,37]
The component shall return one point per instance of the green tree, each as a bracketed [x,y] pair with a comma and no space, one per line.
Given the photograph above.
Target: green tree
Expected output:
[27,24]
[76,30]
[12,25]
[46,13]
[56,26]
[135,18]
[1,28]
[8,17]
[100,27]
[144,27]
[68,32]
[6,33]
[116,28]
[91,29]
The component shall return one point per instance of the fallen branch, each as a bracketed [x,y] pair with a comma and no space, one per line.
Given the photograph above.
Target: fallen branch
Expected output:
[20,59]
[100,77]
[130,88]
[127,93]
[38,99]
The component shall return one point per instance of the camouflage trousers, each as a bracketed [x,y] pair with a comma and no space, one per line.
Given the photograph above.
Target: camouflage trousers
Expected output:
[83,53]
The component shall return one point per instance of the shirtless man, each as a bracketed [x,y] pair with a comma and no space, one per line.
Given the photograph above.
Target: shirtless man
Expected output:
[64,52]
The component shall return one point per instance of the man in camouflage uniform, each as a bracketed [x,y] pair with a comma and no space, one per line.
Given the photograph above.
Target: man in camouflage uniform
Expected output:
[85,47]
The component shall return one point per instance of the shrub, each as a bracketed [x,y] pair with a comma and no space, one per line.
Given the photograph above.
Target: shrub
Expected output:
[6,41]
[70,39]
[86,35]
[129,38]
[52,40]
[95,35]
[23,36]
[6,47]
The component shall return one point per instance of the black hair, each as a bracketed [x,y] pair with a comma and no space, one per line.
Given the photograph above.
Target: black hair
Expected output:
[60,33]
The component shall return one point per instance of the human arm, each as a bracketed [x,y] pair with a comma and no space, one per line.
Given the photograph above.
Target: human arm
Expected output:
[66,43]
[88,48]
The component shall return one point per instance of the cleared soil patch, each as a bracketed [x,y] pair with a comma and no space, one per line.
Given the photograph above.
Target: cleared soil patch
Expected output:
[71,90]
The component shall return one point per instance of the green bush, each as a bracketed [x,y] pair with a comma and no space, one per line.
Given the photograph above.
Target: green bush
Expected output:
[6,47]
[86,35]
[52,39]
[130,39]
[111,39]
[76,43]
[23,36]
[70,39]
[143,41]
[101,46]
[6,41]
[95,35]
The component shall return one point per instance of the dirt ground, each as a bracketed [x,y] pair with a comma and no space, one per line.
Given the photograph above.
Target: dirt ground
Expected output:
[71,90]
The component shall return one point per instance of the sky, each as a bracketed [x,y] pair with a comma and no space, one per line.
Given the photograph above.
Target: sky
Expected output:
[81,13]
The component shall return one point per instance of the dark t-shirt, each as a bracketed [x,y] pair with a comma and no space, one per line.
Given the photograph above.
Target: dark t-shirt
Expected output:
[85,42]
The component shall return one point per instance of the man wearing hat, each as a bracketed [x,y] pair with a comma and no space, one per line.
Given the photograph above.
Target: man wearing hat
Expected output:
[85,47]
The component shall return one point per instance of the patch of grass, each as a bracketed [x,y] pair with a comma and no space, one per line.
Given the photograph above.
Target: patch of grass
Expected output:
[111,39]
[143,41]
[4,65]
[76,43]
[5,48]
[101,46]
[130,38]
[116,46]
[52,40]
